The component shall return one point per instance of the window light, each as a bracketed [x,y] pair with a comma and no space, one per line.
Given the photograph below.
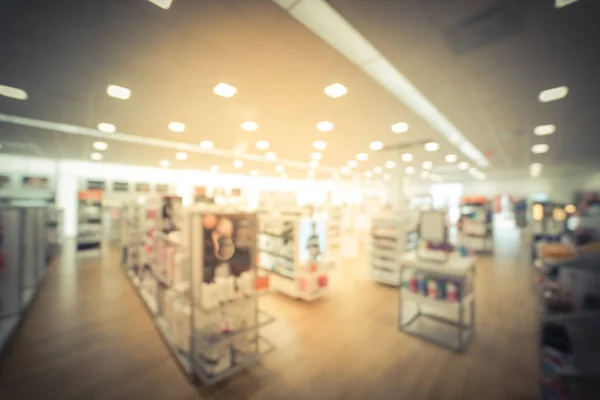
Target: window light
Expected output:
[407,157]
[13,92]
[320,145]
[214,169]
[262,145]
[345,170]
[238,163]
[399,127]
[427,165]
[553,94]
[463,166]
[177,127]
[96,156]
[425,174]
[431,146]
[270,156]
[225,90]
[352,163]
[181,156]
[101,146]
[310,174]
[540,148]
[253,172]
[376,146]
[207,145]
[451,158]
[164,163]
[164,4]
[409,170]
[106,127]
[279,169]
[336,90]
[544,130]
[387,177]
[249,126]
[325,126]
[316,156]
[362,156]
[390,164]
[118,92]
[313,164]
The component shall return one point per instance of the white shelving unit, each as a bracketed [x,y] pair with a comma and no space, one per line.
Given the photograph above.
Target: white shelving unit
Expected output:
[391,237]
[435,297]
[90,232]
[292,250]
[477,230]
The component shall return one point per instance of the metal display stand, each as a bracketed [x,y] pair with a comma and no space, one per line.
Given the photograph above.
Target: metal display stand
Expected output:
[440,315]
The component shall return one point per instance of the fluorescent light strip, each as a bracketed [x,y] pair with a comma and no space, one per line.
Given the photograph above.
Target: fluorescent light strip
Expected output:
[124,137]
[164,4]
[13,92]
[320,18]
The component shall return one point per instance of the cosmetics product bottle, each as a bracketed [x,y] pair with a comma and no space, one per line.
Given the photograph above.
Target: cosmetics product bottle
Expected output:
[451,291]
[441,289]
[422,285]
[432,289]
[413,283]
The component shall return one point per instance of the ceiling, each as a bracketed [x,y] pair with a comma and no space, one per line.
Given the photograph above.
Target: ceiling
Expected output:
[65,53]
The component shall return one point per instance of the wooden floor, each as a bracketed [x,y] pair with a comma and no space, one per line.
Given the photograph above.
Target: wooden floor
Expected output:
[88,336]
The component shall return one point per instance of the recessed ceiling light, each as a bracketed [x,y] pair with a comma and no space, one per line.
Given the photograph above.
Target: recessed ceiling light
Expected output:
[106,127]
[225,90]
[540,148]
[319,145]
[400,127]
[563,3]
[262,145]
[390,164]
[118,92]
[249,126]
[451,158]
[368,174]
[254,173]
[316,156]
[164,4]
[270,156]
[427,165]
[313,164]
[164,163]
[238,163]
[352,164]
[207,144]
[310,174]
[378,170]
[463,166]
[535,169]
[376,146]
[325,126]
[362,156]
[425,174]
[181,155]
[101,146]
[336,90]
[387,177]
[177,126]
[13,92]
[345,170]
[553,94]
[543,130]
[279,169]
[214,169]
[407,157]
[409,170]
[96,156]
[431,146]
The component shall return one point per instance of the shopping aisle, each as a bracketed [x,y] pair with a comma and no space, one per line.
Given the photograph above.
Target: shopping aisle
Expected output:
[89,337]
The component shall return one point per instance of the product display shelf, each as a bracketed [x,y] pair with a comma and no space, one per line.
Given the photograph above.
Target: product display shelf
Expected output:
[226,287]
[569,322]
[90,231]
[476,227]
[547,225]
[391,237]
[293,251]
[437,299]
[54,217]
